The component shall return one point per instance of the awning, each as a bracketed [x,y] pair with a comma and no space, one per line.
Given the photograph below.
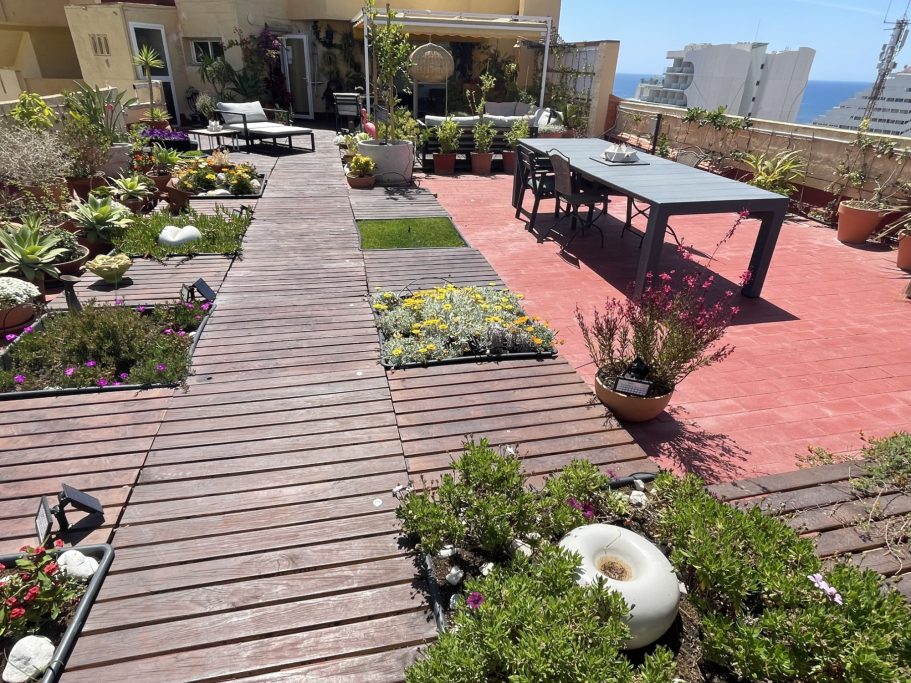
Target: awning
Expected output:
[468,25]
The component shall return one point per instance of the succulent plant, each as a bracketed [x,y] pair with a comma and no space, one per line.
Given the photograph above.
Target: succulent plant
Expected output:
[25,250]
[134,186]
[100,217]
[110,268]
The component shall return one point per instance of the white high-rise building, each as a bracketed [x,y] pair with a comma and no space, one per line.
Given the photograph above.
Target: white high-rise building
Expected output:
[742,77]
[891,116]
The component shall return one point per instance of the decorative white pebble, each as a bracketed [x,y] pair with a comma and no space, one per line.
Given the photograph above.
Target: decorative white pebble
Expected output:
[447,551]
[638,499]
[455,576]
[377,502]
[519,546]
[485,568]
[639,484]
[74,563]
[28,658]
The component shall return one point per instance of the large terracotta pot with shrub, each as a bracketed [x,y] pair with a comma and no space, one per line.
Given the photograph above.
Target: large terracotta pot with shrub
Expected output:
[481,162]
[856,221]
[509,161]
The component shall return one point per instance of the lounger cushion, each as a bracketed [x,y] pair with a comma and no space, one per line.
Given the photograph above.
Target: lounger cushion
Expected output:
[268,130]
[231,112]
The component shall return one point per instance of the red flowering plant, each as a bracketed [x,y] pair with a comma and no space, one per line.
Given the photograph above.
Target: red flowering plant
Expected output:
[674,327]
[35,591]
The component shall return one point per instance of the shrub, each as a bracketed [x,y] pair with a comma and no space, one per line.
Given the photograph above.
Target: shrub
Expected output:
[579,494]
[484,134]
[517,131]
[32,157]
[33,112]
[106,346]
[448,322]
[778,173]
[361,166]
[530,622]
[222,233]
[448,133]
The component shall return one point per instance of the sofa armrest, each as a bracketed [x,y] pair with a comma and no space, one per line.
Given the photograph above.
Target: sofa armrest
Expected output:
[233,113]
[285,112]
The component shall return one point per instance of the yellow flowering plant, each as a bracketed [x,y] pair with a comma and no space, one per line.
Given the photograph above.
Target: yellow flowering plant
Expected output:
[452,322]
[203,175]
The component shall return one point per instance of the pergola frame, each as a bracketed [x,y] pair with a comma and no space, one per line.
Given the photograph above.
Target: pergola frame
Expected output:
[468,24]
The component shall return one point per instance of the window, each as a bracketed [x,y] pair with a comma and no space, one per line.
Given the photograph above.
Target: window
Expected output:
[100,44]
[206,49]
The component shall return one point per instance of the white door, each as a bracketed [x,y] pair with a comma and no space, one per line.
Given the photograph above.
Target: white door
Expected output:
[298,74]
[153,35]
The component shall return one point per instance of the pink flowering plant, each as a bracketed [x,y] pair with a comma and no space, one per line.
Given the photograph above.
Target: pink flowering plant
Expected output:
[106,346]
[35,591]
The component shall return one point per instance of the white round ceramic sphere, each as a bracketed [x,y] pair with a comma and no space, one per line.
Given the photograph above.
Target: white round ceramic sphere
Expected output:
[650,588]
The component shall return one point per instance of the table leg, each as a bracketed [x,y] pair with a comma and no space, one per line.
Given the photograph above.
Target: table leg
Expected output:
[652,243]
[763,249]
[516,183]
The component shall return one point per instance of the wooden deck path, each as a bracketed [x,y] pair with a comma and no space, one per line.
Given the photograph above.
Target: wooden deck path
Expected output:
[401,269]
[395,202]
[822,504]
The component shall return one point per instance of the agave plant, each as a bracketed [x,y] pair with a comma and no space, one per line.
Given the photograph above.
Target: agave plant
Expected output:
[166,159]
[25,250]
[134,186]
[100,218]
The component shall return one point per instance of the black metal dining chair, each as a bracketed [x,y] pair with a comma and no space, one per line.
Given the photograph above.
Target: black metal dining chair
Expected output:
[567,190]
[535,174]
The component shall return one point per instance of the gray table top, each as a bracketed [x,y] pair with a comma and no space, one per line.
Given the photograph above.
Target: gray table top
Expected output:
[661,181]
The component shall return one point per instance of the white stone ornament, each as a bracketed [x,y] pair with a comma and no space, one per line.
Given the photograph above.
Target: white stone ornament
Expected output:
[447,551]
[648,583]
[74,563]
[28,659]
[455,576]
[638,499]
[172,236]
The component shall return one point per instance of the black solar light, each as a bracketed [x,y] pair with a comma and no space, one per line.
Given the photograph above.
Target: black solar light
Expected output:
[632,382]
[69,291]
[68,496]
[201,287]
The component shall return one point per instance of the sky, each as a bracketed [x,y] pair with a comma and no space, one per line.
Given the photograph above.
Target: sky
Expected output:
[846,34]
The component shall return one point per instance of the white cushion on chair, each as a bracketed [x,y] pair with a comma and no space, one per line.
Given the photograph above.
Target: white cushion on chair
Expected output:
[268,130]
[231,111]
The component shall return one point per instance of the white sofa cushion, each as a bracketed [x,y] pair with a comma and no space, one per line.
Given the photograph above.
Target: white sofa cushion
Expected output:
[501,108]
[267,129]
[231,112]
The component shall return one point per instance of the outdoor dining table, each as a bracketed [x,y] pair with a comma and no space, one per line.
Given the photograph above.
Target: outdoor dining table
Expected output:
[671,189]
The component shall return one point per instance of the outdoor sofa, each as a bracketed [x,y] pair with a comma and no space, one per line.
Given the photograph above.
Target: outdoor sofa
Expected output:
[250,120]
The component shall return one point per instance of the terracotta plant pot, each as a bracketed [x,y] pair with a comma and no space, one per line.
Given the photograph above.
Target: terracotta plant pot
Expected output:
[160,179]
[95,248]
[134,205]
[856,224]
[480,162]
[178,200]
[73,267]
[82,186]
[444,164]
[364,182]
[155,125]
[12,320]
[68,225]
[58,194]
[630,408]
[509,161]
[903,255]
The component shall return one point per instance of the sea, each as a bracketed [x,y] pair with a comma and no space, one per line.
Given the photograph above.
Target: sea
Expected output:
[820,96]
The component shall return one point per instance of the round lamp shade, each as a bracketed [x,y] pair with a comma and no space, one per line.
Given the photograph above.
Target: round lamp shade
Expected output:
[431,64]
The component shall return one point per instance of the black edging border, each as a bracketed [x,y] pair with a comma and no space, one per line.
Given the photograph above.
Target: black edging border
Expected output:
[104,553]
[426,561]
[73,391]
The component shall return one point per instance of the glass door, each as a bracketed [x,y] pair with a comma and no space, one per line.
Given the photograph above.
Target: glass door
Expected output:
[153,35]
[298,74]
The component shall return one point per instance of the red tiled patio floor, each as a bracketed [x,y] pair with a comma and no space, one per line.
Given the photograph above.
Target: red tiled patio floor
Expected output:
[821,356]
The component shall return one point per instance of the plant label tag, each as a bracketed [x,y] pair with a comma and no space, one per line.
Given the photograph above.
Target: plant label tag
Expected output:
[43,521]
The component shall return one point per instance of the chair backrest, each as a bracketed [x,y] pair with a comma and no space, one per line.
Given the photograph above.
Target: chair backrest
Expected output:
[347,103]
[690,156]
[530,168]
[563,175]
[231,112]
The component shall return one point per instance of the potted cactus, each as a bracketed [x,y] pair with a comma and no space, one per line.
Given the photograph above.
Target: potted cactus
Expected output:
[448,133]
[360,172]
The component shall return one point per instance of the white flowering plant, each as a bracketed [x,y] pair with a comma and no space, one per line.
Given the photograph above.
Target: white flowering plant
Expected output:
[451,322]
[15,292]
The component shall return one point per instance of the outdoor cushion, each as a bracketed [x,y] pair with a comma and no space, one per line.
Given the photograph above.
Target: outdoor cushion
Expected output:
[266,129]
[501,108]
[499,121]
[230,112]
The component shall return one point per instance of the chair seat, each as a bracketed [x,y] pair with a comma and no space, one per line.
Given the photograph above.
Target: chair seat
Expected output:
[268,129]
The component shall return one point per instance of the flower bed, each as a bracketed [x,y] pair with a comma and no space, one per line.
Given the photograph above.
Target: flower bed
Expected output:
[222,233]
[215,177]
[449,324]
[40,596]
[174,139]
[104,347]
[759,606]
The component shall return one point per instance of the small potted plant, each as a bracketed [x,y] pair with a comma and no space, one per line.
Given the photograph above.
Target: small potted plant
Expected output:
[89,146]
[552,130]
[74,255]
[448,134]
[164,161]
[482,157]
[903,255]
[25,251]
[360,172]
[133,191]
[17,307]
[34,163]
[655,341]
[99,220]
[517,131]
[111,269]
[205,105]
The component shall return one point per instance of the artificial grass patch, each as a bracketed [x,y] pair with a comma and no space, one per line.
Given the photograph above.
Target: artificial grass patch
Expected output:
[222,233]
[409,233]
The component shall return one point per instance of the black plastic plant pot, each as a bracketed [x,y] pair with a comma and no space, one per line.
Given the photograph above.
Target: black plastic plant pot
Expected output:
[104,553]
[179,145]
